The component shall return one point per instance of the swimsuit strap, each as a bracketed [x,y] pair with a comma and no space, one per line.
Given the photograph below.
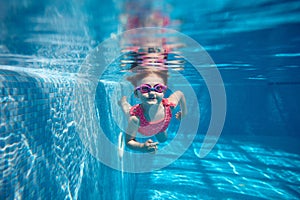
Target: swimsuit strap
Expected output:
[136,110]
[168,112]
[167,103]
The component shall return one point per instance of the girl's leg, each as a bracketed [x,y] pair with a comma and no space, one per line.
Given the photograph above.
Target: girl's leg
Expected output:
[162,137]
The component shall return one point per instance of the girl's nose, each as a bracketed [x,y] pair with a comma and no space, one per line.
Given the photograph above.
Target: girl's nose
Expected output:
[152,92]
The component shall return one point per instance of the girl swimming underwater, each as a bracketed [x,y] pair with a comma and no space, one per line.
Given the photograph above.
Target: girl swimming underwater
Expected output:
[152,116]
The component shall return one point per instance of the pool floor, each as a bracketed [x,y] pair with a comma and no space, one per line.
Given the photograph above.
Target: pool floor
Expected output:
[246,168]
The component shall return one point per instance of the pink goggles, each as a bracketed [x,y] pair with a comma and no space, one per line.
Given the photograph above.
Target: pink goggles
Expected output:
[145,88]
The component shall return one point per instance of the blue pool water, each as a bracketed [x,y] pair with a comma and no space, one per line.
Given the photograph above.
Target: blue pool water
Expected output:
[55,101]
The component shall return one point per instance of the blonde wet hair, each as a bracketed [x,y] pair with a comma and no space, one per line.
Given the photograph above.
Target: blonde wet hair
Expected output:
[142,73]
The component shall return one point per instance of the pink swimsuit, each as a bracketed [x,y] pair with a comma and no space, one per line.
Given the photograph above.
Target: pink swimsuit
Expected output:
[151,128]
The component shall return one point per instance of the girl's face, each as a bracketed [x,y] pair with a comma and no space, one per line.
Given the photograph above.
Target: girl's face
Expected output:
[151,97]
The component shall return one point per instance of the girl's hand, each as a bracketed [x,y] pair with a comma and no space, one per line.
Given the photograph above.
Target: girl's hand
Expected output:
[178,115]
[150,146]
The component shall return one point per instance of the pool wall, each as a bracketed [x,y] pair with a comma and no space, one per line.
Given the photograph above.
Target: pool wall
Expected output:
[42,155]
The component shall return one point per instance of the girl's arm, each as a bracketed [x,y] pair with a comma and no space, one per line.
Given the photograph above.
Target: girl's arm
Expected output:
[178,98]
[123,103]
[133,125]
